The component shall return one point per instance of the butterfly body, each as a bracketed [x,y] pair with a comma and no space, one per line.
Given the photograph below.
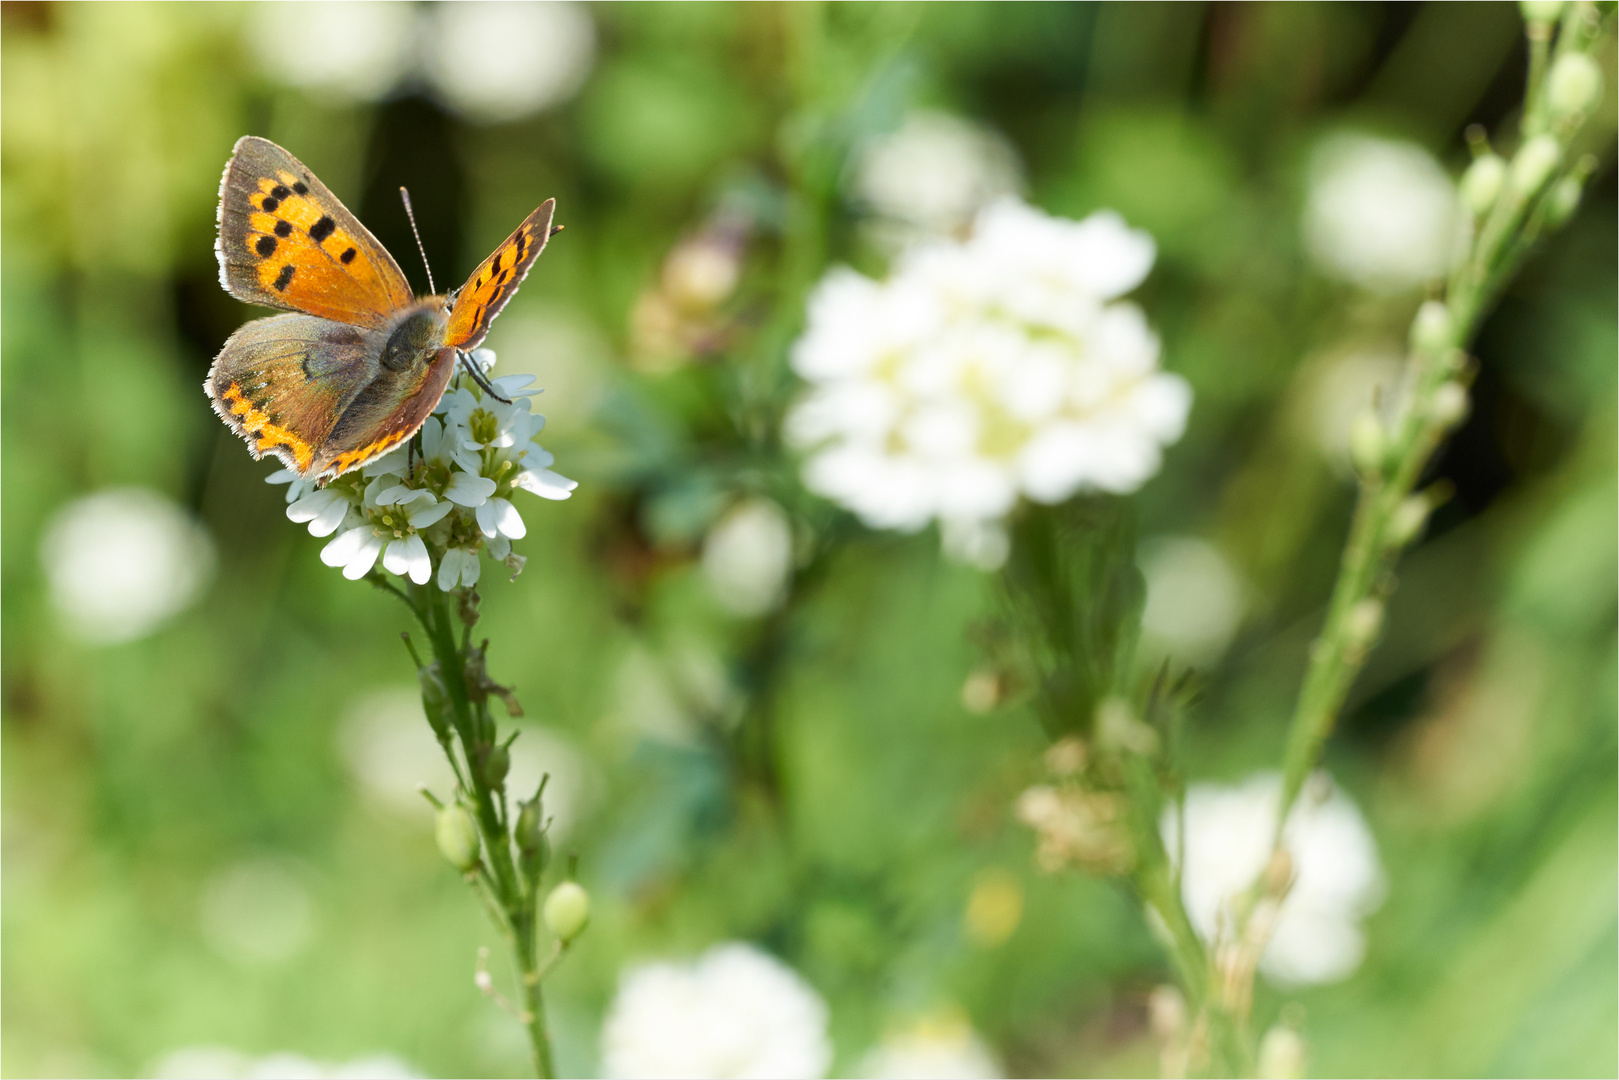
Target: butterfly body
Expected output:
[363,361]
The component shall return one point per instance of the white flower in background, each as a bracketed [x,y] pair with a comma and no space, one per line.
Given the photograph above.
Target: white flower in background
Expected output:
[933,174]
[1194,599]
[121,561]
[733,1012]
[1338,877]
[501,61]
[439,507]
[258,911]
[1380,213]
[941,1047]
[982,371]
[349,48]
[388,751]
[223,1063]
[747,557]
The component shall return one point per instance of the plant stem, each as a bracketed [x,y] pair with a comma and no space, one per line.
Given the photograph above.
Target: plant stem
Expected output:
[510,896]
[1337,655]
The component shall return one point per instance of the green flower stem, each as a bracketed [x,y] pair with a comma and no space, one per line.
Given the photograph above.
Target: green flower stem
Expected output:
[509,896]
[1436,358]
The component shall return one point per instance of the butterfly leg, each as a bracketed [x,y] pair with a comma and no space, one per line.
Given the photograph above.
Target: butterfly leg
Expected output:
[478,376]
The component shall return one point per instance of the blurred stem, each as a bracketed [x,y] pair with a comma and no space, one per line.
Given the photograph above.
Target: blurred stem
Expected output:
[511,897]
[1436,359]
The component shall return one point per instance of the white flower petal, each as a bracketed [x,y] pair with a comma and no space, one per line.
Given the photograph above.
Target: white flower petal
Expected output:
[361,562]
[545,483]
[469,489]
[498,517]
[429,514]
[342,549]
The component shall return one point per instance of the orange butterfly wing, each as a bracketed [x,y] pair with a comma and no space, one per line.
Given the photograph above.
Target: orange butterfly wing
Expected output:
[286,241]
[496,279]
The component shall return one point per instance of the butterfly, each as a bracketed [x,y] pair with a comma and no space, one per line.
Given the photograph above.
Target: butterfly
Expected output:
[363,361]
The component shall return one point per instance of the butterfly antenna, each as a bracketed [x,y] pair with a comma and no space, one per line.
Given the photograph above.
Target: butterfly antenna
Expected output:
[411,214]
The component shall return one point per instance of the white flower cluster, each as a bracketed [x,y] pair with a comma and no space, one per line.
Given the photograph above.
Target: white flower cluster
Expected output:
[982,370]
[733,1012]
[1338,880]
[445,504]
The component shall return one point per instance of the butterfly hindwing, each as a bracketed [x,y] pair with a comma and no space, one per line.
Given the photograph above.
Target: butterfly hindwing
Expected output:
[496,279]
[286,241]
[385,413]
[284,383]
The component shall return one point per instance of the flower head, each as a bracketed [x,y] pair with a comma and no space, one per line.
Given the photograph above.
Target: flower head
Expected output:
[1338,879]
[733,1012]
[441,499]
[1001,367]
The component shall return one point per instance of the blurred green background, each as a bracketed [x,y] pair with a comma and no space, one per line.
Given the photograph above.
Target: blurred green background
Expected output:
[210,831]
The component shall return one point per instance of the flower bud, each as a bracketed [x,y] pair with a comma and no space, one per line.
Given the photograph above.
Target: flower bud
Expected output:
[1540,11]
[457,836]
[1449,406]
[1367,445]
[1407,520]
[496,763]
[1563,200]
[1365,619]
[567,910]
[1430,330]
[529,831]
[1281,1054]
[1534,163]
[1482,182]
[1573,85]
[434,699]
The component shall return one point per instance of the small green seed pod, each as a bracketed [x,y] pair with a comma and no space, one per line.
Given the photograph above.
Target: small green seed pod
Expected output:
[457,836]
[567,910]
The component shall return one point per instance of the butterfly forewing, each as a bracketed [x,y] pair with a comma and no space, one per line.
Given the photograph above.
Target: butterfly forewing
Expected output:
[287,242]
[496,279]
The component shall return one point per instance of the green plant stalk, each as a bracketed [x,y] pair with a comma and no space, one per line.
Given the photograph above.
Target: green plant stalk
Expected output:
[513,896]
[1337,655]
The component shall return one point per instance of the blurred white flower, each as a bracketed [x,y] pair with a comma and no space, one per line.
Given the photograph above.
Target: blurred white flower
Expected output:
[1338,878]
[733,1012]
[1194,599]
[1380,213]
[258,911]
[121,561]
[389,749]
[346,47]
[942,1047]
[983,370]
[747,557]
[933,174]
[223,1063]
[500,61]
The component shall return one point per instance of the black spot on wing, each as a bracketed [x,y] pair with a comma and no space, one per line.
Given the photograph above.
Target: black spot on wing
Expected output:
[321,229]
[280,191]
[283,229]
[301,188]
[265,246]
[283,279]
[348,255]
[269,204]
[305,365]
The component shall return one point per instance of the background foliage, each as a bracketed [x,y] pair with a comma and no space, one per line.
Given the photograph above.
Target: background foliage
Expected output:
[847,830]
